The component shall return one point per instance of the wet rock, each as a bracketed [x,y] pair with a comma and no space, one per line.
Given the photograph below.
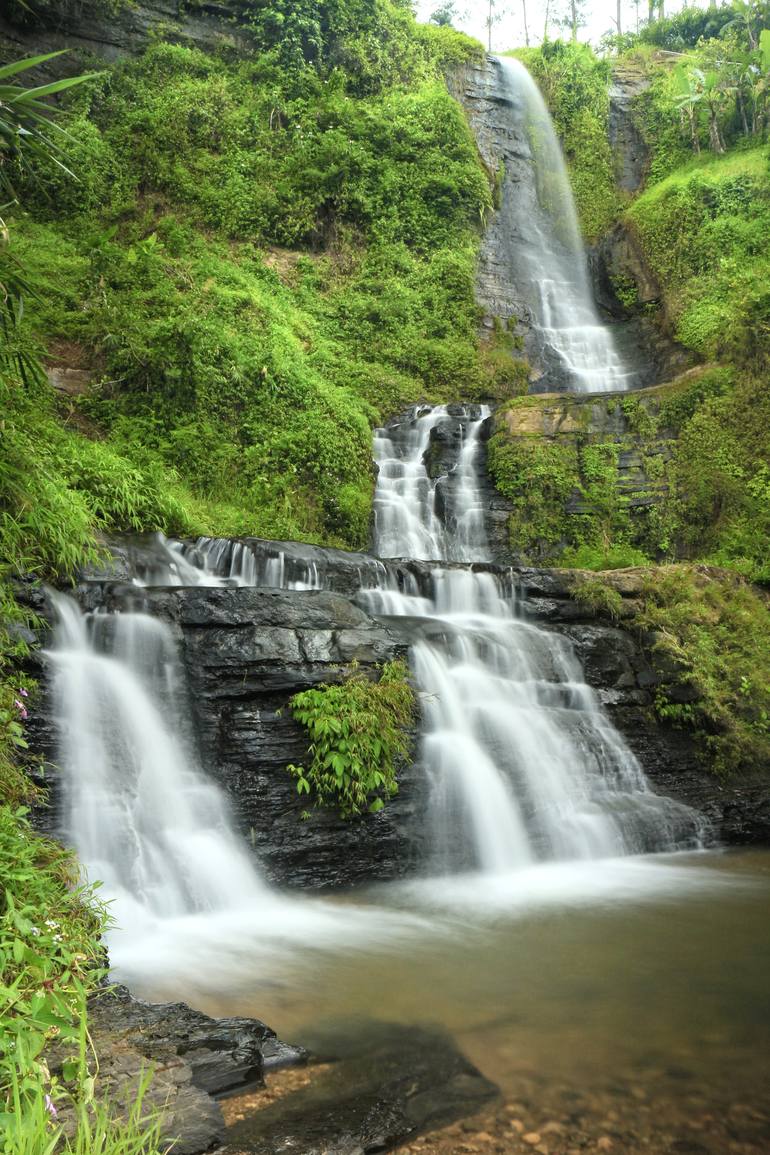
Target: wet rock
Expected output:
[391,1085]
[222,1054]
[192,1057]
[96,31]
[626,141]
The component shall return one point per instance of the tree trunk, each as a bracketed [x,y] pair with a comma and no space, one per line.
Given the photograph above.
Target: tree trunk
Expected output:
[742,109]
[573,18]
[526,27]
[715,136]
[650,11]
[547,18]
[694,130]
[661,9]
[620,30]
[489,23]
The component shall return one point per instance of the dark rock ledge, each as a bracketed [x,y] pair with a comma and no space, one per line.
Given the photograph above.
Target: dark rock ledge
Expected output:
[192,1057]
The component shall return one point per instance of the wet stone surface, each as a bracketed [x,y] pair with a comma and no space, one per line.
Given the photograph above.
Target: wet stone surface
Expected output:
[396,1084]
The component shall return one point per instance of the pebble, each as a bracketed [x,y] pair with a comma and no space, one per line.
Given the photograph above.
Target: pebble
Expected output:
[604,1144]
[484,1137]
[517,1126]
[552,1128]
[532,1138]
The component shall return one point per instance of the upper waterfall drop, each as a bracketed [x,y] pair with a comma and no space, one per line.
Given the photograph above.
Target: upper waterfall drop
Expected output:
[539,234]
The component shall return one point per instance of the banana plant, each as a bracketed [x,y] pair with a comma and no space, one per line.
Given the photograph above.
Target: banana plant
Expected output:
[29,136]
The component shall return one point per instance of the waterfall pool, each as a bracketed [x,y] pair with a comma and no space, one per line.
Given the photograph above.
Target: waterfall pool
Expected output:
[623,1000]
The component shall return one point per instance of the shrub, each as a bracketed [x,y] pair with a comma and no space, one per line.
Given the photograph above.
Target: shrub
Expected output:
[359,733]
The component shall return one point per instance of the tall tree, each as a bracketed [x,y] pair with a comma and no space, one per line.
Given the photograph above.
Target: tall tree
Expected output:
[526,26]
[495,11]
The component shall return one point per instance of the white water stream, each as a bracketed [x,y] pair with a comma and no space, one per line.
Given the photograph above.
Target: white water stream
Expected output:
[546,250]
[523,764]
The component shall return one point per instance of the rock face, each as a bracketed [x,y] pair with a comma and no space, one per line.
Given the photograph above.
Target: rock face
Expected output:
[628,147]
[246,651]
[570,425]
[89,27]
[395,1083]
[193,1058]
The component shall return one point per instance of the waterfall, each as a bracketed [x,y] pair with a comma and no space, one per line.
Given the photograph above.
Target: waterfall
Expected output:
[144,819]
[419,516]
[523,763]
[540,235]
[221,561]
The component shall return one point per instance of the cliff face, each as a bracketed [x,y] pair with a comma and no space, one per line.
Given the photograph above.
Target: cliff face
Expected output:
[87,28]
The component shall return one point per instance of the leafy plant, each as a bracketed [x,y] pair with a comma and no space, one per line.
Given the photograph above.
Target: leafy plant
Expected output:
[359,732]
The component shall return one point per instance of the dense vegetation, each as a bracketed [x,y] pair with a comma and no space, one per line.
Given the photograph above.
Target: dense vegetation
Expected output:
[259,259]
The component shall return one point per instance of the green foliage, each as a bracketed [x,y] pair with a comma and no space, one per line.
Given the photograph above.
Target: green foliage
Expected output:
[575,84]
[100,1128]
[240,382]
[605,556]
[568,506]
[50,955]
[359,733]
[685,28]
[704,232]
[29,134]
[538,476]
[712,631]
[597,596]
[374,44]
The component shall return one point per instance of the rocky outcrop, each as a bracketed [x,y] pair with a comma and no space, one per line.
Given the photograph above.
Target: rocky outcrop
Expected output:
[630,428]
[246,651]
[628,146]
[193,1058]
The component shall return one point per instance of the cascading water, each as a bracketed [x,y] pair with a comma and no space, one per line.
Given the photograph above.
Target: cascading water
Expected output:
[220,561]
[144,819]
[419,516]
[539,238]
[523,764]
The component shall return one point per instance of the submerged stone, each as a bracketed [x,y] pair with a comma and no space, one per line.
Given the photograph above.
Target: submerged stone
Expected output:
[392,1083]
